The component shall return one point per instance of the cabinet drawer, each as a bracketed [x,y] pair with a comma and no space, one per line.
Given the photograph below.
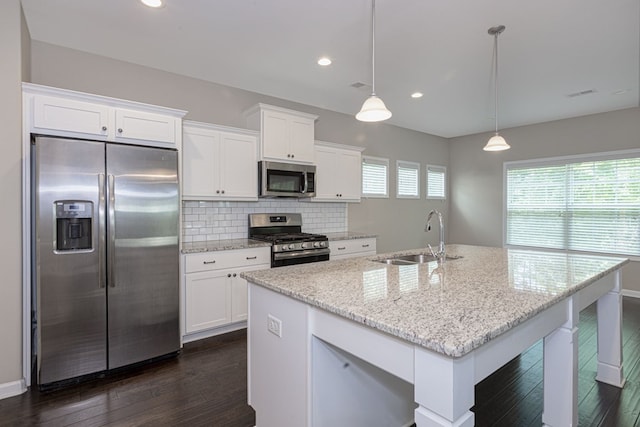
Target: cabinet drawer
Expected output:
[352,247]
[218,260]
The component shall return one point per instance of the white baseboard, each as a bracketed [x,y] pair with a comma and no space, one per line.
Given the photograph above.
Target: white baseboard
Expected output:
[13,388]
[630,293]
[213,332]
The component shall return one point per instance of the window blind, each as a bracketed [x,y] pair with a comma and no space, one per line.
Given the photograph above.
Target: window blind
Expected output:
[436,184]
[375,177]
[408,179]
[581,205]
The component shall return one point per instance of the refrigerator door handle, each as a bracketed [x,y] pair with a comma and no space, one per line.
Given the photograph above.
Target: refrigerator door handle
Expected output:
[101,228]
[111,245]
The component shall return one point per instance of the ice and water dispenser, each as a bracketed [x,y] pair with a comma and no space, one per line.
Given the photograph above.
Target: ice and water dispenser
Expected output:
[73,225]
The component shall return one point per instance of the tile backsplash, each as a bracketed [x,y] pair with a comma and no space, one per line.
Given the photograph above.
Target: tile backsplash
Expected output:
[206,220]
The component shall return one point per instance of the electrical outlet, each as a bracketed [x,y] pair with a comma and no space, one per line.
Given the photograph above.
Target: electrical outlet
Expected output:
[274,325]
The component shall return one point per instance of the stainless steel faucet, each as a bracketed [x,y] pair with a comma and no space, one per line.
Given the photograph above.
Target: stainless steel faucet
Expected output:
[440,255]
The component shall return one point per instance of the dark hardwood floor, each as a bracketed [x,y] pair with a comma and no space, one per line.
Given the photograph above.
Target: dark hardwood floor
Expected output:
[206,386]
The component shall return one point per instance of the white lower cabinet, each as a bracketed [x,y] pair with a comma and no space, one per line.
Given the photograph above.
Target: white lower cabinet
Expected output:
[341,249]
[215,296]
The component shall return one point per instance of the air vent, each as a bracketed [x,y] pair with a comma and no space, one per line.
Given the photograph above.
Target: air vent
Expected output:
[581,93]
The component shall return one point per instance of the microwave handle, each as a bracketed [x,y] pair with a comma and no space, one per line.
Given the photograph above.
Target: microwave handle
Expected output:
[306,182]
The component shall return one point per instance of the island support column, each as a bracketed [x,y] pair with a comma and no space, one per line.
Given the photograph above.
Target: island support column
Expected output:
[443,389]
[609,336]
[560,361]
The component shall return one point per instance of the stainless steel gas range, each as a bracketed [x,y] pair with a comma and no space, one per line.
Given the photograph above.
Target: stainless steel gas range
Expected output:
[289,245]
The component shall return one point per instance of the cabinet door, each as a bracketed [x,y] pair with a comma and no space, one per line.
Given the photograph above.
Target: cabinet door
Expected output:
[275,135]
[239,300]
[302,137]
[66,115]
[139,126]
[238,166]
[327,182]
[348,169]
[200,154]
[207,301]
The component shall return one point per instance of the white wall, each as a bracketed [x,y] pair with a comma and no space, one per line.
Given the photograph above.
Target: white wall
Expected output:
[477,185]
[398,225]
[11,52]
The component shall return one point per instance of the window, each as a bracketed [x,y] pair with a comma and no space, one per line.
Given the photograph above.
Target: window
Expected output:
[375,177]
[408,180]
[436,182]
[588,203]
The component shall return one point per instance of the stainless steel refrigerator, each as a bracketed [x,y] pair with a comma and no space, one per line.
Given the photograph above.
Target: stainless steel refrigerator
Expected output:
[105,230]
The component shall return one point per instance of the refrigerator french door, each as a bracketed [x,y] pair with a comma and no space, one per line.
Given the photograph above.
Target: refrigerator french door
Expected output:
[106,290]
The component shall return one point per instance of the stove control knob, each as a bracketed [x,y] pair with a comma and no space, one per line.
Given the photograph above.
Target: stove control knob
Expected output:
[316,244]
[291,247]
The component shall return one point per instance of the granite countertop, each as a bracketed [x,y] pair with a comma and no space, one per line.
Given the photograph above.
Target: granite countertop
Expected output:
[221,245]
[349,235]
[452,308]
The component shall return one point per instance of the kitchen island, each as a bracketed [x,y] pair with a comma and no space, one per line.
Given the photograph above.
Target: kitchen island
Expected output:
[359,342]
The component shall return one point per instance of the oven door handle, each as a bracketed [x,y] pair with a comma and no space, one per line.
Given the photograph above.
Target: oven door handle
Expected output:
[298,254]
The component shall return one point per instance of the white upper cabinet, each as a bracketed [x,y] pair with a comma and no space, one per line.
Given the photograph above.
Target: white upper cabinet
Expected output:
[338,172]
[61,112]
[68,115]
[219,163]
[134,126]
[285,135]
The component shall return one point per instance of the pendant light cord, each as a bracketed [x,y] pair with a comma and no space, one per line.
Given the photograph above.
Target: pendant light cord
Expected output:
[495,52]
[373,47]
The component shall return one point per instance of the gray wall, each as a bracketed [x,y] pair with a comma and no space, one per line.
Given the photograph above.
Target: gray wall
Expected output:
[477,184]
[398,225]
[10,178]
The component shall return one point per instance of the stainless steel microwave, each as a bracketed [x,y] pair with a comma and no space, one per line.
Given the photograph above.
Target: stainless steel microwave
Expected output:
[276,179]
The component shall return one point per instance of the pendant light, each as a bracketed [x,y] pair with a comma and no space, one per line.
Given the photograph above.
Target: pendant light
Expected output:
[373,109]
[497,142]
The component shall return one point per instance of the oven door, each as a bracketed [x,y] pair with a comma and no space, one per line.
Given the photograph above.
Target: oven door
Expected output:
[286,180]
[281,259]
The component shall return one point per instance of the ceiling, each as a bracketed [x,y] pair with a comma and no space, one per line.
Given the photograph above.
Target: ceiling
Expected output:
[550,50]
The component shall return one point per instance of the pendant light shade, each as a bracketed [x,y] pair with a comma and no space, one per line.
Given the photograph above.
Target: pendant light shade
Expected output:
[496,142]
[373,109]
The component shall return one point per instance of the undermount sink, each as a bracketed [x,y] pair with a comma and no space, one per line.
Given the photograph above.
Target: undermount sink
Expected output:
[413,259]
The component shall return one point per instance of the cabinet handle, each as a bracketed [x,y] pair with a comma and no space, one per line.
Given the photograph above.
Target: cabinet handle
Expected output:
[342,249]
[209,262]
[252,257]
[119,130]
[104,128]
[365,246]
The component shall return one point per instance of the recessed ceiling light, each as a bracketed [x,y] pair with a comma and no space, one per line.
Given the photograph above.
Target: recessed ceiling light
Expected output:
[324,61]
[417,95]
[152,3]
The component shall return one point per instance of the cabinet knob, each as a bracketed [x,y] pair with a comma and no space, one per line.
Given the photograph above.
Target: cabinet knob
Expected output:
[293,155]
[217,191]
[234,274]
[119,130]
[104,128]
[222,191]
[289,155]
[229,275]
